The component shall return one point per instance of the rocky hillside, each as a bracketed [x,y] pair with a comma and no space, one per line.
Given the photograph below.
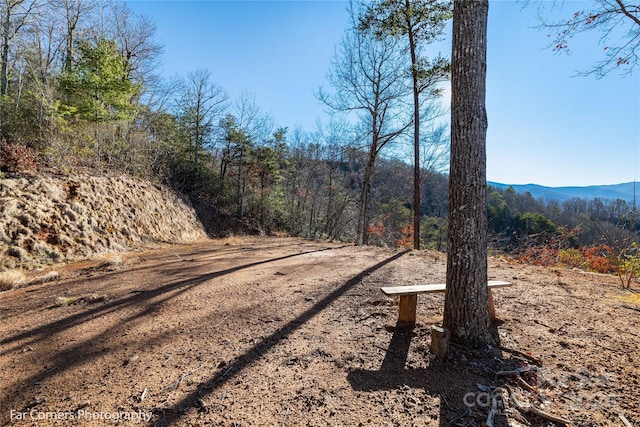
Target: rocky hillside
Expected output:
[46,220]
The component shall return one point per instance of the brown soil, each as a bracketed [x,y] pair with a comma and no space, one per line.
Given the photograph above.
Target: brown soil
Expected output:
[281,331]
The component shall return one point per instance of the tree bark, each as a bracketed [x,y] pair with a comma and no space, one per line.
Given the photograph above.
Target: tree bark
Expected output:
[365,197]
[73,10]
[4,73]
[416,128]
[466,312]
[6,28]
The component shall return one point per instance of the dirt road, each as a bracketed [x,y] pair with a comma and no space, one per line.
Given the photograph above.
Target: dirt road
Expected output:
[287,332]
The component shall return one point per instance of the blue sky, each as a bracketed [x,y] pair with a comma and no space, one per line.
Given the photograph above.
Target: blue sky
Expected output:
[546,126]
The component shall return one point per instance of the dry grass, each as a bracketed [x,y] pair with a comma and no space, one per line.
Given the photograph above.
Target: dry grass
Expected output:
[49,277]
[11,279]
[112,260]
[232,240]
[631,297]
[64,301]
[89,299]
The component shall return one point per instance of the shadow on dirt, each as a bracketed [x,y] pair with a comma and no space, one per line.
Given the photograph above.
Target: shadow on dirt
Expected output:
[144,304]
[449,382]
[137,299]
[172,415]
[465,384]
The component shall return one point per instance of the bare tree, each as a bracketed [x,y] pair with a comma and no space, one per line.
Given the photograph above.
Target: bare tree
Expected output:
[251,127]
[336,200]
[74,14]
[466,311]
[251,118]
[366,74]
[42,45]
[34,66]
[420,21]
[160,95]
[14,16]
[200,107]
[434,140]
[303,182]
[135,36]
[617,21]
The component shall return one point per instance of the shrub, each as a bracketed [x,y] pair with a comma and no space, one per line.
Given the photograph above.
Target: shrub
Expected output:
[572,258]
[17,158]
[600,259]
[406,242]
[546,256]
[376,229]
[11,279]
[628,266]
[597,258]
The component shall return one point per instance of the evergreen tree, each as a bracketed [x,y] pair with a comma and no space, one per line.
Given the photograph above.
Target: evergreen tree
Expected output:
[97,89]
[418,21]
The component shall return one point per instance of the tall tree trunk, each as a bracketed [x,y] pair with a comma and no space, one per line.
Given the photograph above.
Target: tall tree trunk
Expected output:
[466,312]
[365,201]
[73,9]
[240,187]
[366,186]
[6,27]
[416,128]
[4,73]
[328,218]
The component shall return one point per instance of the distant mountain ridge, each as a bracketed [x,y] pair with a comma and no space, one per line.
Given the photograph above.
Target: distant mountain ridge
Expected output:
[605,192]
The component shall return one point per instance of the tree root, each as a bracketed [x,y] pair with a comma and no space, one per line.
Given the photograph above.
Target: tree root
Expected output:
[521,354]
[525,407]
[516,371]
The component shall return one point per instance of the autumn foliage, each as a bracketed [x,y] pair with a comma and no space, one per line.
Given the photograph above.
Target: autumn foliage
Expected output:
[376,229]
[17,158]
[406,241]
[599,258]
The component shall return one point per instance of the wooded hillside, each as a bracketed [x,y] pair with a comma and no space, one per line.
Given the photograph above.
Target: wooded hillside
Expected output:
[80,95]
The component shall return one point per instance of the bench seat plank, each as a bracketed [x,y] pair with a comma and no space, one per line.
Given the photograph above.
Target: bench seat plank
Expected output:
[409,297]
[439,287]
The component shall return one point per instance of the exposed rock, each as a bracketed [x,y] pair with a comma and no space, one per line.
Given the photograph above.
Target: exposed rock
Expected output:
[46,220]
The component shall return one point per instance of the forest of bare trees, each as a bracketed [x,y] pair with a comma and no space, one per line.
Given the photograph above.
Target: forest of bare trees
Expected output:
[80,94]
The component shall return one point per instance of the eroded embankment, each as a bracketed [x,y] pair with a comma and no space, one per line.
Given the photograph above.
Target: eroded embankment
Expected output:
[46,220]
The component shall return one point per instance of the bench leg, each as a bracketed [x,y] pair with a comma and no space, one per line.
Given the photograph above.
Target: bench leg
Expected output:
[492,310]
[408,305]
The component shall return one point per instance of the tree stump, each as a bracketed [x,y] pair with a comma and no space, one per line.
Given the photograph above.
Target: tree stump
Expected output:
[439,341]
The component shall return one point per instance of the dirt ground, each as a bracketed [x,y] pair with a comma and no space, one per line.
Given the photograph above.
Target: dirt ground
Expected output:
[287,332]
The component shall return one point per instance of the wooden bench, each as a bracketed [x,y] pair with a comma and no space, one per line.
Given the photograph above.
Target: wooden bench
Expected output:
[409,297]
